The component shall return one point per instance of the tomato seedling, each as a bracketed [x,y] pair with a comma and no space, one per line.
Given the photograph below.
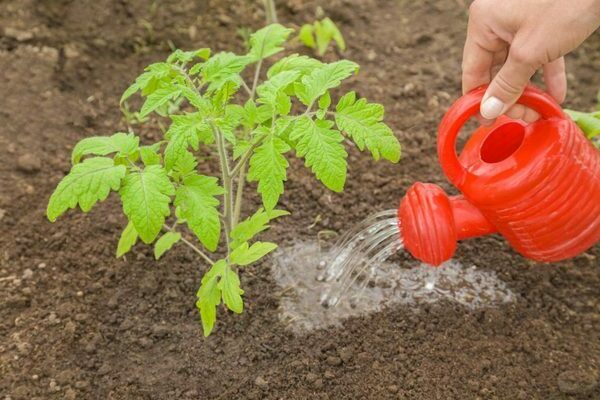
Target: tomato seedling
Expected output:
[251,130]
[588,122]
[320,34]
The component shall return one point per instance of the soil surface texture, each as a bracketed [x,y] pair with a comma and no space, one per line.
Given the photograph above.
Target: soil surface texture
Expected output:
[77,323]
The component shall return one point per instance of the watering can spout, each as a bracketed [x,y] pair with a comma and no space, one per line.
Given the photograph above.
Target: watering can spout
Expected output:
[537,185]
[432,222]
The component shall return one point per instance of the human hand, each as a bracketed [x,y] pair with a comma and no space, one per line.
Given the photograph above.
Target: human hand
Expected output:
[509,40]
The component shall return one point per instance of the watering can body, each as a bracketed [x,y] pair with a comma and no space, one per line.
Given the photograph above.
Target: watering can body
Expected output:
[538,185]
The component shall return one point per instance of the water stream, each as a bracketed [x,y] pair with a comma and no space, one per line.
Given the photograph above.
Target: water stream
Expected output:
[364,271]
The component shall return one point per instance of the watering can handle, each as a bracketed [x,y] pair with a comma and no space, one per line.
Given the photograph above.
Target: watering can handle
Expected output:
[467,106]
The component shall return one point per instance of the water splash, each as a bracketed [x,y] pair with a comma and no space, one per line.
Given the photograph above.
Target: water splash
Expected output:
[357,254]
[356,277]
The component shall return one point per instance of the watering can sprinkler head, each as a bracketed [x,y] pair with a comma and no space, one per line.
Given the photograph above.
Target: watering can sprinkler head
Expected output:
[538,185]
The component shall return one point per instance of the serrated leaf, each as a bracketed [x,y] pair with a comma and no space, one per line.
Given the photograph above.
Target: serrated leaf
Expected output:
[121,143]
[268,41]
[240,147]
[185,164]
[222,68]
[187,56]
[87,183]
[165,242]
[268,167]
[325,101]
[322,150]
[197,204]
[159,98]
[322,79]
[127,240]
[306,35]
[246,255]
[150,155]
[302,64]
[146,197]
[269,91]
[362,122]
[230,290]
[185,131]
[209,296]
[249,228]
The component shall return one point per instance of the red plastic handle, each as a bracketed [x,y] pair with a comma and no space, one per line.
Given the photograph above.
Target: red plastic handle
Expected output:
[466,107]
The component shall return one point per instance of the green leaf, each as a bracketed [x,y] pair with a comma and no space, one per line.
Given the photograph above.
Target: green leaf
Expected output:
[306,36]
[146,197]
[325,101]
[269,91]
[245,255]
[130,91]
[87,183]
[230,290]
[589,124]
[222,68]
[159,98]
[253,225]
[122,143]
[197,204]
[322,79]
[302,64]
[185,131]
[150,155]
[127,240]
[268,41]
[239,148]
[185,164]
[333,32]
[209,296]
[322,150]
[323,37]
[362,122]
[268,167]
[165,243]
[187,56]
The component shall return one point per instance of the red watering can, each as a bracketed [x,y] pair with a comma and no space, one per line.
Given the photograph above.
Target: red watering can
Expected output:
[538,185]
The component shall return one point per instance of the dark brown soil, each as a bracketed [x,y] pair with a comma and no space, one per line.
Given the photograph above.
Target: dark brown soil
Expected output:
[77,323]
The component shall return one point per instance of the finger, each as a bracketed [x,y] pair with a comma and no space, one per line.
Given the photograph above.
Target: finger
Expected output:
[477,59]
[555,78]
[519,111]
[508,85]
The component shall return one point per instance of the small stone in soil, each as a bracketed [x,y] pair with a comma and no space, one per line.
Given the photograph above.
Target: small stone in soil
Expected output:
[29,163]
[345,354]
[310,377]
[260,382]
[334,361]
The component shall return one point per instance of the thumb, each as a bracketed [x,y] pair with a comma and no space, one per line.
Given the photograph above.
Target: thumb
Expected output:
[508,85]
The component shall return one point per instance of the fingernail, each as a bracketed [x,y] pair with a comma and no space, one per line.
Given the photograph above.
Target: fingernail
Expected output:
[491,108]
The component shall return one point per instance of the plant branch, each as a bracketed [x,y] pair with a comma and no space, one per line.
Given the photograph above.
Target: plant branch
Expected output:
[271,13]
[191,245]
[248,90]
[255,81]
[227,182]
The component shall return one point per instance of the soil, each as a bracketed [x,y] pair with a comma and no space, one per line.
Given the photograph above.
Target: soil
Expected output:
[76,323]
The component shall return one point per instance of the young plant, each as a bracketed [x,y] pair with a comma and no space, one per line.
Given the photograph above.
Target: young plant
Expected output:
[249,128]
[588,122]
[320,34]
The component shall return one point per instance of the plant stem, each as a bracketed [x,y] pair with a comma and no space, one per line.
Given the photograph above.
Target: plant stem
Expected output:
[239,195]
[255,81]
[191,245]
[227,183]
[270,11]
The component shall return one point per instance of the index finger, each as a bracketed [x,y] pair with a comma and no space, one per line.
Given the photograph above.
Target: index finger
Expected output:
[477,63]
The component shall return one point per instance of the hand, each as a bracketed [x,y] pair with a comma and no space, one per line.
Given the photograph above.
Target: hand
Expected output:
[509,40]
